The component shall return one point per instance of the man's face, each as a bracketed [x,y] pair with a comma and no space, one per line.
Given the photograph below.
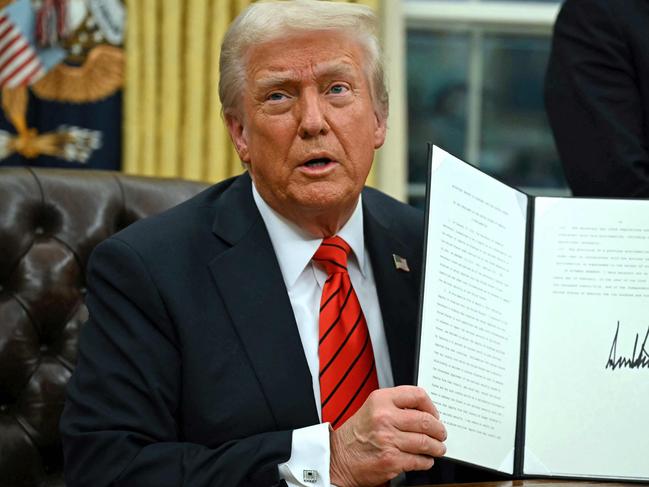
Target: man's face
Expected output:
[307,125]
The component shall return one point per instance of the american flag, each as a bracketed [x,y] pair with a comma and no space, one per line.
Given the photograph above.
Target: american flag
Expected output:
[400,263]
[21,62]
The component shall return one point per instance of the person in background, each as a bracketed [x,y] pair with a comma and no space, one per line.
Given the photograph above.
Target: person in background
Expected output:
[597,96]
[263,333]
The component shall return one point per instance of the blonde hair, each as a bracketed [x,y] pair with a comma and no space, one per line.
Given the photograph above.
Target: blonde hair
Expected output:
[263,22]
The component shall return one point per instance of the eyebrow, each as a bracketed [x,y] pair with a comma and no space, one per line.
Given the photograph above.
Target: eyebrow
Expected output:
[335,69]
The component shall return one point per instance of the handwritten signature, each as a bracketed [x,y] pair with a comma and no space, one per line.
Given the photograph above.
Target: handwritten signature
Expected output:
[639,358]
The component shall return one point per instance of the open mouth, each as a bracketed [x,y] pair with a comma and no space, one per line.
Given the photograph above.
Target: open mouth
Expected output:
[319,162]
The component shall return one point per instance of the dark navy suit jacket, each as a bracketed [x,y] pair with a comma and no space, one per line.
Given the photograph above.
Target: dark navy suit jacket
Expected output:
[597,96]
[191,369]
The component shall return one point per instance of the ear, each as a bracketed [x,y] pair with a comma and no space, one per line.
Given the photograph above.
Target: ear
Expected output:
[380,130]
[238,135]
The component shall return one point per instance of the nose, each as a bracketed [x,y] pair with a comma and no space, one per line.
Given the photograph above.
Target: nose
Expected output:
[312,117]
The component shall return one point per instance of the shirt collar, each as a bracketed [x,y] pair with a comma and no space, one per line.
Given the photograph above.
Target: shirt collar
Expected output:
[294,248]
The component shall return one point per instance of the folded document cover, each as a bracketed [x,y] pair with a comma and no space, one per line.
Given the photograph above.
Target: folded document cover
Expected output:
[534,336]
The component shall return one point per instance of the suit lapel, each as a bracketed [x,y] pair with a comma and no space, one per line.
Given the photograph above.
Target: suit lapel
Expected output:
[397,291]
[250,282]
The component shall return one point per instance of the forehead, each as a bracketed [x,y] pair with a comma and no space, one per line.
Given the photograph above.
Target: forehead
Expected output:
[312,54]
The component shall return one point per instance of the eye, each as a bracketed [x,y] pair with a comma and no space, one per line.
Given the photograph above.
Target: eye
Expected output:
[338,89]
[276,96]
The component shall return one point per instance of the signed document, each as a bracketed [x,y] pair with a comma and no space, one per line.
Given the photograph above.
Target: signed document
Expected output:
[534,336]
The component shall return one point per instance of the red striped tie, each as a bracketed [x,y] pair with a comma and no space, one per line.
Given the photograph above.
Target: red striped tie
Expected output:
[347,369]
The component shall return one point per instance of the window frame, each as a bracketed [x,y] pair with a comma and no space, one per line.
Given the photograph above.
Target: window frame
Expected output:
[475,17]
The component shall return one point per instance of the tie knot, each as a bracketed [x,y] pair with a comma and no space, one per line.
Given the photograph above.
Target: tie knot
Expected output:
[332,255]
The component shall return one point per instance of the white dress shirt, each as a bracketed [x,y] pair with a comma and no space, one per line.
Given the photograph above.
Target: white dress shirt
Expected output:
[304,281]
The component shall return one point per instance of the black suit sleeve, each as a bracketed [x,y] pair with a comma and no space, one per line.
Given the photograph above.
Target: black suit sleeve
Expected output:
[593,100]
[120,425]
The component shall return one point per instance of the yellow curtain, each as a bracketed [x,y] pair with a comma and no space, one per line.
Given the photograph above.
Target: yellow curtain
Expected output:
[172,121]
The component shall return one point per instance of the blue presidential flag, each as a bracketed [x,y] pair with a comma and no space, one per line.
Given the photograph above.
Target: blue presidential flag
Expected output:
[61,76]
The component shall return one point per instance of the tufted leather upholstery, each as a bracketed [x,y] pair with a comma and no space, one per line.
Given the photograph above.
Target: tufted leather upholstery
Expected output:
[50,220]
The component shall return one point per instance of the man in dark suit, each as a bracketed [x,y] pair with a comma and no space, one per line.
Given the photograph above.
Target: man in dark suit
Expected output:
[203,362]
[597,96]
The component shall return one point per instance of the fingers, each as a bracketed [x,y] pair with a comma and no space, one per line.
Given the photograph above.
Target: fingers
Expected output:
[419,433]
[413,421]
[420,430]
[419,444]
[399,461]
[411,463]
[412,397]
[396,430]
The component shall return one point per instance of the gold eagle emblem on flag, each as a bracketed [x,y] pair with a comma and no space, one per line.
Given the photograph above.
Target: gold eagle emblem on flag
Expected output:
[90,34]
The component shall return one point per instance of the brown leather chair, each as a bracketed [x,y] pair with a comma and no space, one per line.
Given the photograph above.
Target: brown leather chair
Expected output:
[50,220]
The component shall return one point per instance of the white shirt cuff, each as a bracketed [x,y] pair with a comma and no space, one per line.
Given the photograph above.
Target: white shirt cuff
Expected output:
[309,462]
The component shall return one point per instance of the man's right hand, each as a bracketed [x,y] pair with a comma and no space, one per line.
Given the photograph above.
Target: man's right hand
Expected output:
[396,430]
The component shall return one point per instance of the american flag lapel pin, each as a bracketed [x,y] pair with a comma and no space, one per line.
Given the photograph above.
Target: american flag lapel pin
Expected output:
[400,263]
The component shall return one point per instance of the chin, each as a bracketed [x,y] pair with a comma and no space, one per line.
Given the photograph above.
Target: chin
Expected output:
[327,200]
